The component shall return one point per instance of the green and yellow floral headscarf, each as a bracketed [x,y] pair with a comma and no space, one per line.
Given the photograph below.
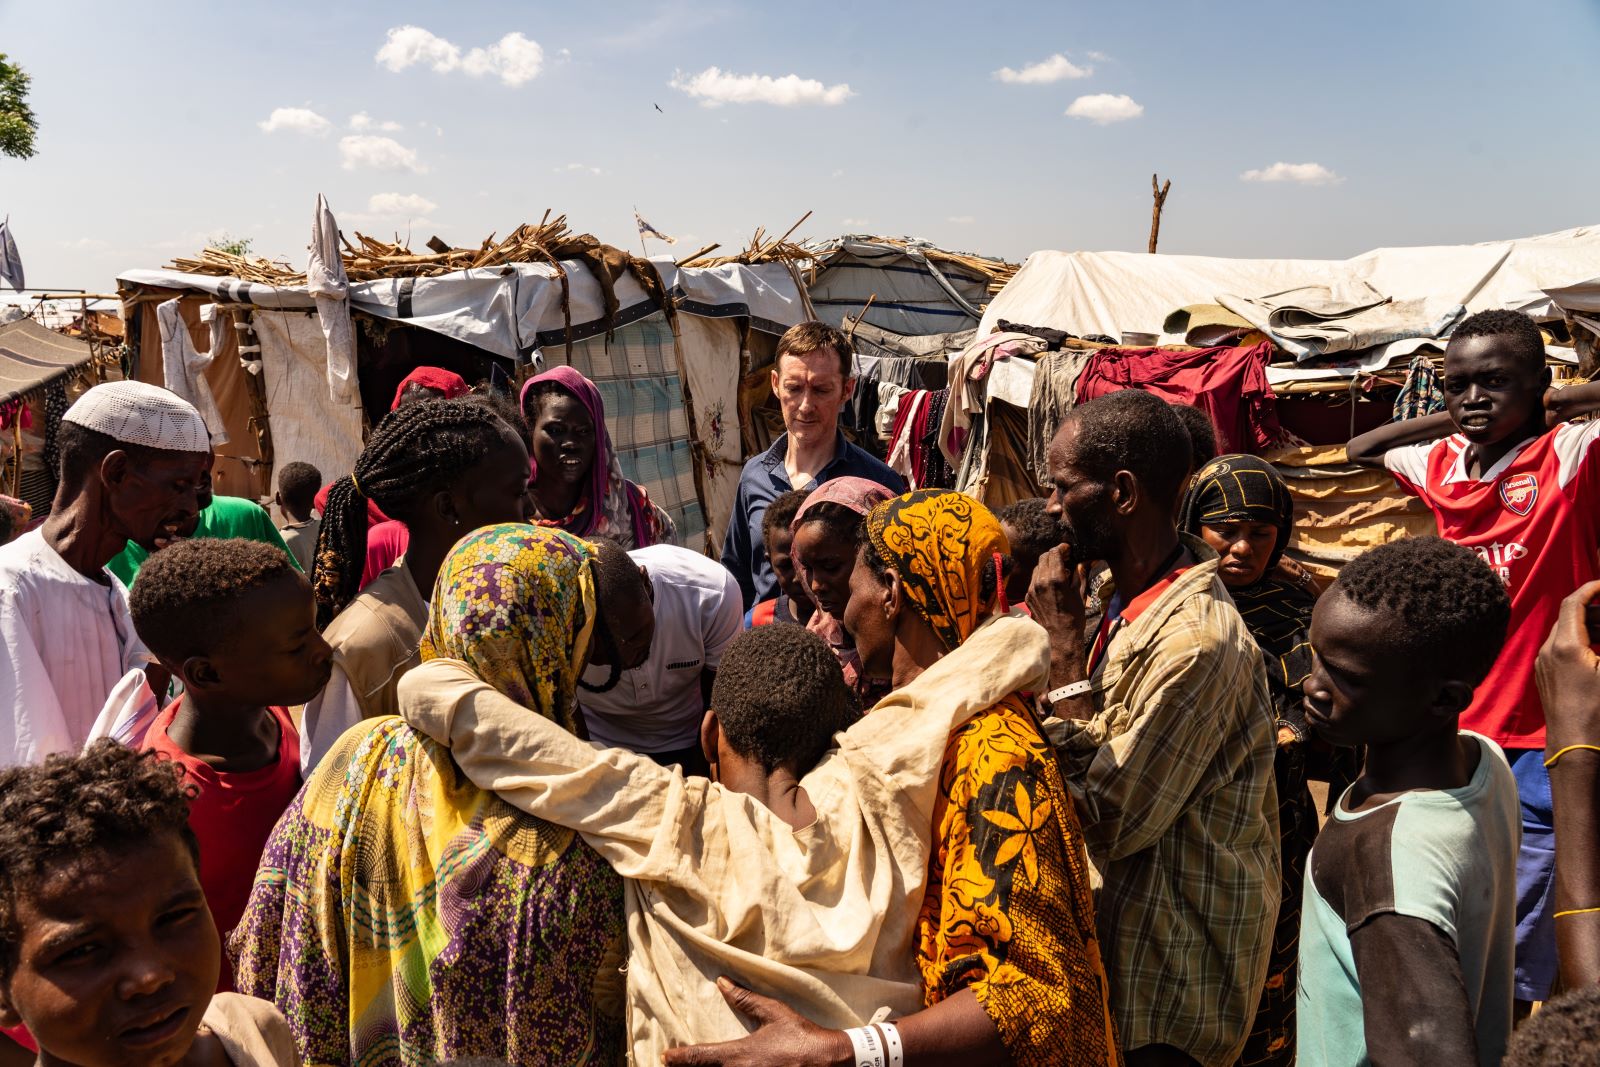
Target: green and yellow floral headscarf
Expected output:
[940,543]
[516,604]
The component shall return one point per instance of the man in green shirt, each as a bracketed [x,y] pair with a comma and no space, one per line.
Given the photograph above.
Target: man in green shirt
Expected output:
[219,517]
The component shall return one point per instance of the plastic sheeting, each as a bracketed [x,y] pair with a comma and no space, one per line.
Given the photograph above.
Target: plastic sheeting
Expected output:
[512,310]
[308,425]
[238,470]
[708,358]
[914,296]
[1127,292]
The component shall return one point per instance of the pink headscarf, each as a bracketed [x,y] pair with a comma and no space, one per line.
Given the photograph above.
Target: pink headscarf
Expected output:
[860,495]
[447,382]
[611,505]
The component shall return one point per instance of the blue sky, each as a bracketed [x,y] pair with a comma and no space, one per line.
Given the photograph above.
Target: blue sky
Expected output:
[1430,123]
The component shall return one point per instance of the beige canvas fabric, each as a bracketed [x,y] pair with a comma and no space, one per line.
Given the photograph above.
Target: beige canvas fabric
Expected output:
[822,918]
[376,638]
[253,1031]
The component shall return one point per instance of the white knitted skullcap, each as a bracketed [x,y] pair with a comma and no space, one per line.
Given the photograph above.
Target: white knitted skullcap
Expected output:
[139,414]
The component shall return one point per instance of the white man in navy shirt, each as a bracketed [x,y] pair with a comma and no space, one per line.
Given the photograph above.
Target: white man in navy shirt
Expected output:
[812,380]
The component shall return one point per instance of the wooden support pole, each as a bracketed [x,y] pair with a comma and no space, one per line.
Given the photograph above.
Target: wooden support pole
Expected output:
[1159,191]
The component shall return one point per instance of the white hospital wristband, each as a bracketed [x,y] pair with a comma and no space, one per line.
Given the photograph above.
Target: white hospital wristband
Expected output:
[1067,692]
[868,1048]
[892,1045]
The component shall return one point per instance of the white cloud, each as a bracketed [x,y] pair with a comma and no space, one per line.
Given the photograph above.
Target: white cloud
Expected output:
[577,168]
[961,220]
[1102,109]
[1098,57]
[838,174]
[1300,173]
[400,204]
[1057,68]
[564,53]
[363,121]
[409,45]
[714,87]
[377,153]
[514,59]
[856,222]
[296,120]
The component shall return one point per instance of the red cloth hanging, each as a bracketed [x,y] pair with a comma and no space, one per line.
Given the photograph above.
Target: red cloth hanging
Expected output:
[1227,383]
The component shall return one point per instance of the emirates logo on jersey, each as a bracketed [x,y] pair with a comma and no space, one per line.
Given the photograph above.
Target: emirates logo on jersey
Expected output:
[1519,493]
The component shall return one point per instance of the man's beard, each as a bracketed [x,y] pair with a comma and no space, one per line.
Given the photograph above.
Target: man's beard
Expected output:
[1090,540]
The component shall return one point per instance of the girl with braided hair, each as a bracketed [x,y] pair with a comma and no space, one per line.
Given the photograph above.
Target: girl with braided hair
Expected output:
[442,467]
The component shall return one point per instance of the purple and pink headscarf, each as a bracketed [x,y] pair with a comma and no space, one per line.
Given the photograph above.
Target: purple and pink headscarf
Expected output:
[611,505]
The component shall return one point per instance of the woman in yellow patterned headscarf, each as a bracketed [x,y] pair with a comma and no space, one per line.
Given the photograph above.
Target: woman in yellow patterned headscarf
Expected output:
[401,914]
[1007,930]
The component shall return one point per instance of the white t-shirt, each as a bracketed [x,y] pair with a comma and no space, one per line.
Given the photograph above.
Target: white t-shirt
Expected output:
[65,643]
[657,707]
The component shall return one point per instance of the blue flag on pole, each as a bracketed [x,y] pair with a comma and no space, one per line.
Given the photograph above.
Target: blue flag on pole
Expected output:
[647,230]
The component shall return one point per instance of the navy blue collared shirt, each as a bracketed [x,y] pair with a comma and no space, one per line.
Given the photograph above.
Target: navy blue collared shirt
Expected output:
[762,481]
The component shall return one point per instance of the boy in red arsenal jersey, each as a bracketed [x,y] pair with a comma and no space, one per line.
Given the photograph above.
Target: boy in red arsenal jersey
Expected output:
[1526,499]
[236,623]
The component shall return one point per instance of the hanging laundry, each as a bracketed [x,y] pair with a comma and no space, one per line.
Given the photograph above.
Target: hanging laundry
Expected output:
[17,409]
[183,367]
[968,392]
[1227,383]
[1422,394]
[914,451]
[902,438]
[933,470]
[1055,391]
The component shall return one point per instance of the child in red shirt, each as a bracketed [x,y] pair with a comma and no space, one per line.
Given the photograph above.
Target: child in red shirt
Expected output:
[236,623]
[1526,499]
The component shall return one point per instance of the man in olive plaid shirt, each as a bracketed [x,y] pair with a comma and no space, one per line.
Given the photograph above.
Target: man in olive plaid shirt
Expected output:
[1168,740]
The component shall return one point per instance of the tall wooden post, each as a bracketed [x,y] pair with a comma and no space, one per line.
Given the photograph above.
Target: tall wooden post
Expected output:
[1159,190]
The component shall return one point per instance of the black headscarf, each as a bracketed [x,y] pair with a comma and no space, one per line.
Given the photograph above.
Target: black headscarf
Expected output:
[1237,488]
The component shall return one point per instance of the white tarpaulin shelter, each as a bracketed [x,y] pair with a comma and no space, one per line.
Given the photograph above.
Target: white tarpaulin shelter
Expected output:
[1114,293]
[652,380]
[511,310]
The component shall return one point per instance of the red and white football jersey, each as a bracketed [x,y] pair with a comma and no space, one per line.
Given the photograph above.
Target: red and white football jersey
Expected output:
[1535,518]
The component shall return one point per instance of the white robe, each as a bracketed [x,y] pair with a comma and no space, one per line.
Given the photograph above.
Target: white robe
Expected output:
[823,918]
[65,643]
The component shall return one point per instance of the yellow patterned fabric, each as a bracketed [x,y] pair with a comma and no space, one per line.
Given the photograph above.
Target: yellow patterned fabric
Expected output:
[516,604]
[1008,910]
[939,544]
[402,915]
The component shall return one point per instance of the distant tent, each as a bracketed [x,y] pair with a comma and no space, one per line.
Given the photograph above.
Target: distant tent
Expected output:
[899,299]
[36,362]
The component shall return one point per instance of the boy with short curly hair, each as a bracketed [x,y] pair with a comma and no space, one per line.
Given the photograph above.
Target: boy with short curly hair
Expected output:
[108,953]
[236,623]
[1408,934]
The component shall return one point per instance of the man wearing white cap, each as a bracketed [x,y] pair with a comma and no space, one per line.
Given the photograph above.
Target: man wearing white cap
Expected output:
[132,456]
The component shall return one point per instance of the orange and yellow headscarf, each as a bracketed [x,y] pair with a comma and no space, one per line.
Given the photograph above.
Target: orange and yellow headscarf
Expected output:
[940,543]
